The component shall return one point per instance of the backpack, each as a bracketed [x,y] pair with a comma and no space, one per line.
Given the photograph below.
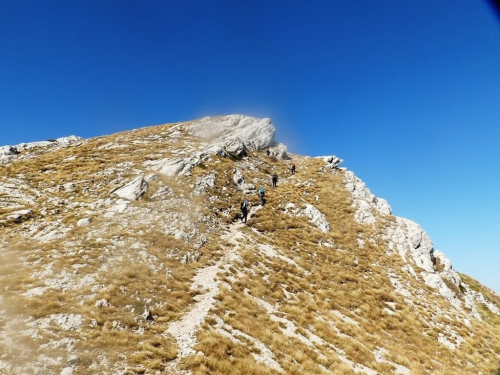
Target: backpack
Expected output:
[243,204]
[261,191]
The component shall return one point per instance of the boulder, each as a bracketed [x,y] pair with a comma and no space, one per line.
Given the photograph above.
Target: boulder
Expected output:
[132,190]
[20,216]
[331,161]
[84,222]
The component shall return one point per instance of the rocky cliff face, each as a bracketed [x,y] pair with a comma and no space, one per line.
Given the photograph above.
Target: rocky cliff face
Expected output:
[126,254]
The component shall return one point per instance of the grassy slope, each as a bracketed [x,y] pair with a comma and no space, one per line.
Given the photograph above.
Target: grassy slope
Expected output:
[262,296]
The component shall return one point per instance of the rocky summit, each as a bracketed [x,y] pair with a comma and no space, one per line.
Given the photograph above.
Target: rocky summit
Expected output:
[127,254]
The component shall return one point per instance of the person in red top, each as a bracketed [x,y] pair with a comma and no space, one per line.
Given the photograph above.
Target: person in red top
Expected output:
[293,168]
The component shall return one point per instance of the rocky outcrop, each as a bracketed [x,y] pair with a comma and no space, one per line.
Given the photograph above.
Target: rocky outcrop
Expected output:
[171,167]
[408,239]
[412,243]
[7,153]
[254,134]
[8,150]
[368,206]
[279,151]
[331,161]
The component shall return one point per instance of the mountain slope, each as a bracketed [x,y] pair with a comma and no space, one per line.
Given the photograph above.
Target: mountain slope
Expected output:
[125,254]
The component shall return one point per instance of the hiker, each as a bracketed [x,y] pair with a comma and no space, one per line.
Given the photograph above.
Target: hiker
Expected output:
[275,180]
[293,168]
[261,195]
[244,210]
[268,152]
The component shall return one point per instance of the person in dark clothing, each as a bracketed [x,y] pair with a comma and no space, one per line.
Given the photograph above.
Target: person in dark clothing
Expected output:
[244,210]
[268,152]
[275,180]
[293,168]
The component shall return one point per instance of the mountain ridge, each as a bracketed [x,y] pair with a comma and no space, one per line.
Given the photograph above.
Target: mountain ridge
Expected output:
[124,254]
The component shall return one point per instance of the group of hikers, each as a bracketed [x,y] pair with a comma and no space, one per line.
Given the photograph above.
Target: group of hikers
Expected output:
[245,205]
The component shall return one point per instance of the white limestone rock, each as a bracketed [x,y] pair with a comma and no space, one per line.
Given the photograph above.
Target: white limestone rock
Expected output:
[102,303]
[235,147]
[255,134]
[132,190]
[408,238]
[69,187]
[19,216]
[238,177]
[62,142]
[434,280]
[203,183]
[216,150]
[413,244]
[84,222]
[8,150]
[67,322]
[248,188]
[331,161]
[171,167]
[314,215]
[279,151]
[368,206]
[382,206]
[471,298]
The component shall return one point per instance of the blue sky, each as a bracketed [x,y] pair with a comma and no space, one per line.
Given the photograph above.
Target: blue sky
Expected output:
[407,92]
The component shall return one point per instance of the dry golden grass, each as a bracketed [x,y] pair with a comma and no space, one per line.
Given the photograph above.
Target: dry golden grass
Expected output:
[304,291]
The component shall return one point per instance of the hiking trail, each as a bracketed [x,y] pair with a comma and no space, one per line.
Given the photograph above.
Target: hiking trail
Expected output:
[207,282]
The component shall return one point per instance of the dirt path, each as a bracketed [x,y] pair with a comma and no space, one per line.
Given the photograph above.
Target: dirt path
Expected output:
[206,280]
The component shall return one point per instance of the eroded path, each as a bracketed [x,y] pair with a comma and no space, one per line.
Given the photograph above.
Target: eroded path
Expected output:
[207,282]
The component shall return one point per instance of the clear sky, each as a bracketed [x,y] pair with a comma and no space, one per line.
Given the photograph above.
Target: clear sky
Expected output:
[407,92]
